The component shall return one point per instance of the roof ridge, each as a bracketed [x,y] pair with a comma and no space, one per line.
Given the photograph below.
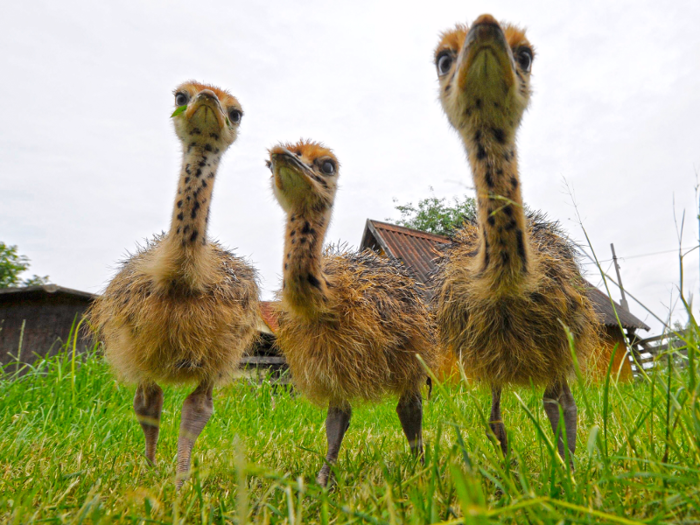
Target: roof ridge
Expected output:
[411,231]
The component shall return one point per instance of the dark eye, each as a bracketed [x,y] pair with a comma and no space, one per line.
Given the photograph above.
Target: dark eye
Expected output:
[525,60]
[444,62]
[268,164]
[181,98]
[235,115]
[328,167]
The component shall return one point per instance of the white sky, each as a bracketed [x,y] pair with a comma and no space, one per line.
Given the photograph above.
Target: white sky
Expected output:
[89,161]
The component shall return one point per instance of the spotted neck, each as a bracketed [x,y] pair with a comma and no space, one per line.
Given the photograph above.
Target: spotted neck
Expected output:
[504,255]
[184,260]
[188,226]
[305,288]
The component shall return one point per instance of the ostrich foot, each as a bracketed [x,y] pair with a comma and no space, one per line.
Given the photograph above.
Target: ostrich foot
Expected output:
[196,411]
[324,475]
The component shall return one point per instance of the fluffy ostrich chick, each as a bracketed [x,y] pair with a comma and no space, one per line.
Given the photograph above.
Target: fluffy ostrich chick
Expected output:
[351,325]
[183,309]
[510,287]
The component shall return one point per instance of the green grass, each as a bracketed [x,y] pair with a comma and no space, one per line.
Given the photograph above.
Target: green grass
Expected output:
[72,452]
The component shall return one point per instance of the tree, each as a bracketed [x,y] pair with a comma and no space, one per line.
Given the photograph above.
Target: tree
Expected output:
[435,215]
[12,264]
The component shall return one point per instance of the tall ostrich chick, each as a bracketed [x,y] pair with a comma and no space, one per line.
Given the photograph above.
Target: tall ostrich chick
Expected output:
[183,309]
[511,284]
[350,324]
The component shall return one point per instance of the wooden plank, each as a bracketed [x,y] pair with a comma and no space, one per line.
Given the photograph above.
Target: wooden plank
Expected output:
[668,335]
[263,360]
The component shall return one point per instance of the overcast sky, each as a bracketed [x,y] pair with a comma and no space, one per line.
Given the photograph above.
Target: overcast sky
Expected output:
[89,161]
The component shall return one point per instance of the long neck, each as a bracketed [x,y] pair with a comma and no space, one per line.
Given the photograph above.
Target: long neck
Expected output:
[504,254]
[305,288]
[188,226]
[185,255]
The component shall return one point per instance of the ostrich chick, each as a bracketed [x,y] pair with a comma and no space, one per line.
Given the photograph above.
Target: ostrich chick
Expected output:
[510,287]
[183,309]
[350,324]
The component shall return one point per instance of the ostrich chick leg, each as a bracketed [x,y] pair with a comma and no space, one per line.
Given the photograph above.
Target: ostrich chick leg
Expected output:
[196,411]
[148,403]
[555,395]
[337,422]
[496,420]
[410,411]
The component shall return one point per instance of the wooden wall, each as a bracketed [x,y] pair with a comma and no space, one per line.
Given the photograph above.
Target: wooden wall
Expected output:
[47,323]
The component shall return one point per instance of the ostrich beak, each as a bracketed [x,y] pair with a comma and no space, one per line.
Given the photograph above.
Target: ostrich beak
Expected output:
[486,55]
[206,110]
[288,169]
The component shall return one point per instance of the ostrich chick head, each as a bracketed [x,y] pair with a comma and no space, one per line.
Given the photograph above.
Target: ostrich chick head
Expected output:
[484,75]
[304,176]
[206,116]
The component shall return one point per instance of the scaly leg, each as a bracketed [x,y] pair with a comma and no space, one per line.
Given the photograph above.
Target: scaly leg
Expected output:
[410,411]
[148,403]
[496,421]
[559,394]
[196,411]
[337,422]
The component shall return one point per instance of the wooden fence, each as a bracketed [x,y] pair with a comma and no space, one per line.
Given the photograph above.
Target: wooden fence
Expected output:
[655,351]
[259,367]
[646,354]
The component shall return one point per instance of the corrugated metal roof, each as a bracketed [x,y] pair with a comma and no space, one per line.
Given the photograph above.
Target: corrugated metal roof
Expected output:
[418,251]
[601,303]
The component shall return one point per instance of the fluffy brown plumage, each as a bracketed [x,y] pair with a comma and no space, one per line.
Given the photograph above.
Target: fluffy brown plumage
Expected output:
[177,335]
[515,335]
[364,343]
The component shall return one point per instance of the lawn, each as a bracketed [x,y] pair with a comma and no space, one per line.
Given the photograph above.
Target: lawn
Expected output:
[71,451]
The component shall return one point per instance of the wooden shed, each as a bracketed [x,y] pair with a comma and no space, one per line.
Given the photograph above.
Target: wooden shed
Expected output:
[613,337]
[418,250]
[37,320]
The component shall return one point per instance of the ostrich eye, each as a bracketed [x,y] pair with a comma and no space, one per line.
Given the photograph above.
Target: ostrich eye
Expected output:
[268,164]
[444,63]
[181,98]
[525,60]
[235,115]
[328,167]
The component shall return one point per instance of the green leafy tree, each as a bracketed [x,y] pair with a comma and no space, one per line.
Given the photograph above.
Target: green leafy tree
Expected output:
[12,264]
[435,215]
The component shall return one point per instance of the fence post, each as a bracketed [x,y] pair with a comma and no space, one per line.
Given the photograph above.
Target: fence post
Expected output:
[623,301]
